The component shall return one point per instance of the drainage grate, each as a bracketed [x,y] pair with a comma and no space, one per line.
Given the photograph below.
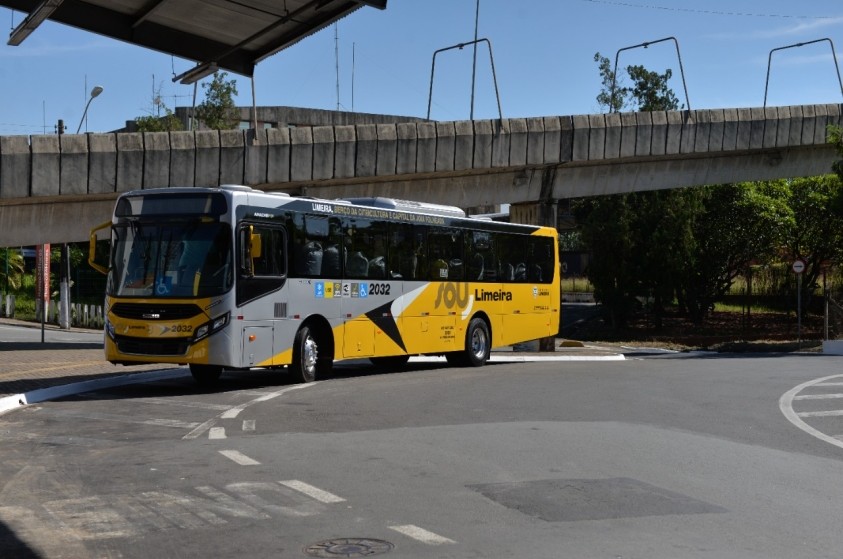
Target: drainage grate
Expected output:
[349,547]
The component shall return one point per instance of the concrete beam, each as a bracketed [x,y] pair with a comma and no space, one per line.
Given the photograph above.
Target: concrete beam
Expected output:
[129,162]
[406,150]
[182,158]
[277,155]
[46,165]
[15,164]
[257,151]
[301,154]
[156,159]
[367,150]
[463,145]
[324,152]
[74,164]
[102,163]
[232,156]
[445,145]
[345,151]
[387,149]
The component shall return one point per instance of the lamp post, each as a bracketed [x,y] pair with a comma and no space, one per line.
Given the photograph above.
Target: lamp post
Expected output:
[770,60]
[94,93]
[64,273]
[645,45]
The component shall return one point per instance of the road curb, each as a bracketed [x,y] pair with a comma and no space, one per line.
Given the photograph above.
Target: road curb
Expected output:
[16,401]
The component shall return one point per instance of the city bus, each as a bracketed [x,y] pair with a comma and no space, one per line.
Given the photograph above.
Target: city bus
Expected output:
[234,278]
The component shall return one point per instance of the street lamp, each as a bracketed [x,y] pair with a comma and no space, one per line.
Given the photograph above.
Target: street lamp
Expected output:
[94,92]
[770,60]
[645,45]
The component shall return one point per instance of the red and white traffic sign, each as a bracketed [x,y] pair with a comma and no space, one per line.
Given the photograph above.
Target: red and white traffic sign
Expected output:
[798,266]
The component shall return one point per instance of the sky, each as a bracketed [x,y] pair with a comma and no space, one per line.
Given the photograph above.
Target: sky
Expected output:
[543,53]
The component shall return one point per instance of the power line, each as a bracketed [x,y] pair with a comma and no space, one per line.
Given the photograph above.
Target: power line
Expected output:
[700,11]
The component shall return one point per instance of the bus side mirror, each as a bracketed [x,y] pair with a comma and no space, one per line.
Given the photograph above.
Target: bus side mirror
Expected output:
[251,247]
[92,248]
[255,246]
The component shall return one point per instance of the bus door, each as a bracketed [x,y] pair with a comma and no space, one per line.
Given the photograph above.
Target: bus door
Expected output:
[432,319]
[261,294]
[365,286]
[527,296]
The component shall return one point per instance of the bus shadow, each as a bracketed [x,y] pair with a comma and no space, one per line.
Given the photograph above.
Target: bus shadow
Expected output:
[246,380]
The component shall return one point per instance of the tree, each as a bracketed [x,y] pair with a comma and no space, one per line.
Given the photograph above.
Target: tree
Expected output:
[738,224]
[649,91]
[637,239]
[815,233]
[218,111]
[11,261]
[835,138]
[153,121]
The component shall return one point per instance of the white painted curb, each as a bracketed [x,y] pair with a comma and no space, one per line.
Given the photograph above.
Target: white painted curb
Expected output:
[42,394]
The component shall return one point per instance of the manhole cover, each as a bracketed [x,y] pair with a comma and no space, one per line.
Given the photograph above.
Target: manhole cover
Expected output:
[349,547]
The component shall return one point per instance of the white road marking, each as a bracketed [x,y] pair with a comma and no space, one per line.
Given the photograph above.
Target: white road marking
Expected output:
[239,458]
[201,428]
[216,433]
[818,397]
[122,419]
[827,413]
[829,384]
[311,491]
[786,406]
[233,412]
[248,424]
[422,535]
[183,404]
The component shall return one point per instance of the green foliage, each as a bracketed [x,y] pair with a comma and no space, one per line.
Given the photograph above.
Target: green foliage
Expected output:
[835,138]
[737,225]
[150,123]
[649,90]
[607,99]
[218,111]
[11,260]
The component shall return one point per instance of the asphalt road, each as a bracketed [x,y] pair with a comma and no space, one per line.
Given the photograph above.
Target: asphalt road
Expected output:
[688,456]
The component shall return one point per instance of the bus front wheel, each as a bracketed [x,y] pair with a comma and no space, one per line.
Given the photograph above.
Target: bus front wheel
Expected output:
[307,362]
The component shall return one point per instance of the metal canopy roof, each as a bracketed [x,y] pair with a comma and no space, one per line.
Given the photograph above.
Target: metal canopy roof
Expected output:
[227,34]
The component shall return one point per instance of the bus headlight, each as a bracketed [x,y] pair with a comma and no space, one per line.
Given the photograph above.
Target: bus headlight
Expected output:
[211,327]
[109,329]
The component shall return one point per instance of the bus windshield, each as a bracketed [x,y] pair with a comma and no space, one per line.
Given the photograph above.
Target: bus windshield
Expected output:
[170,259]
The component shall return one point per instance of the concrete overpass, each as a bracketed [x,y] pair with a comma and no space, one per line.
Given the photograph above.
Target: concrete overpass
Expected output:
[55,188]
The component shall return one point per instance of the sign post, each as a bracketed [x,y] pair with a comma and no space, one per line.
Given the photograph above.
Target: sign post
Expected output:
[798,267]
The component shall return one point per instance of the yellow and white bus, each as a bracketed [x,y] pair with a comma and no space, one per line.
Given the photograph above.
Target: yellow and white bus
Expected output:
[236,278]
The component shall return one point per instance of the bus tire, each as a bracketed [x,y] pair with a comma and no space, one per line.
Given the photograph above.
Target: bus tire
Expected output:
[205,376]
[391,362]
[307,364]
[478,343]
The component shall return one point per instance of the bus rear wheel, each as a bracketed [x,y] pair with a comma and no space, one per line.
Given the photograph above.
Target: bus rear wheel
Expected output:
[205,375]
[478,346]
[307,364]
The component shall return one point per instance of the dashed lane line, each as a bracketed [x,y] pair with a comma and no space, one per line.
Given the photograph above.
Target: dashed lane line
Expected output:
[248,424]
[216,433]
[312,492]
[826,413]
[422,535]
[239,458]
[234,411]
[818,397]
